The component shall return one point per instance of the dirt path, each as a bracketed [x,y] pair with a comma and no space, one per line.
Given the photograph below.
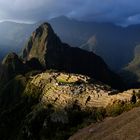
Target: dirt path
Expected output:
[123,127]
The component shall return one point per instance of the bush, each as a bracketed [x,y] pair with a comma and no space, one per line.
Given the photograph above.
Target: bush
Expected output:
[114,110]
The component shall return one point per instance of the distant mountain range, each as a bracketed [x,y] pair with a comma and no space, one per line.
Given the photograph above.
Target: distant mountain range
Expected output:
[115,44]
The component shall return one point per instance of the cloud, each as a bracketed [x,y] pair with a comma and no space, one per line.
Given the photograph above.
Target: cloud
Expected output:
[117,11]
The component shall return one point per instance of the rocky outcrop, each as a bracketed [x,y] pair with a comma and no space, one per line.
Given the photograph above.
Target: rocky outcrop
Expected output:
[11,66]
[47,48]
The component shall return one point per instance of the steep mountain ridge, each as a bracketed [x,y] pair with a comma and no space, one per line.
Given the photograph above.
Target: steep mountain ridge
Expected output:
[47,48]
[13,63]
[113,41]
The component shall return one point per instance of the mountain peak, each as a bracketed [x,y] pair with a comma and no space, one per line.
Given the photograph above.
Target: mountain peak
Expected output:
[46,47]
[12,65]
[43,31]
[42,40]
[10,57]
[61,18]
[44,27]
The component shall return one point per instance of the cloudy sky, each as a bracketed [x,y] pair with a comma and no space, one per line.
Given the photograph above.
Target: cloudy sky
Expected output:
[117,11]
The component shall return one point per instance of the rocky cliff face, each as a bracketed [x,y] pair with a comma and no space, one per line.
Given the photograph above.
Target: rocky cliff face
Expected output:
[47,48]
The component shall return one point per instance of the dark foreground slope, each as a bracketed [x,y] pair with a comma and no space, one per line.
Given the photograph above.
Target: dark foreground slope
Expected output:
[123,127]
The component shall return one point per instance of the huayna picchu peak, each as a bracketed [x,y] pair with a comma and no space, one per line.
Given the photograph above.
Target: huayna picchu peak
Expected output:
[46,47]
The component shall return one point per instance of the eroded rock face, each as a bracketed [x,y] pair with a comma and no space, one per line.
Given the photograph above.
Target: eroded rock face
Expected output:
[42,40]
[47,48]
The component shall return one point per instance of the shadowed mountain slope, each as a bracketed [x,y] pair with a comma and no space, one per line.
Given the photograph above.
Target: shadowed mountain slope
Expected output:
[131,73]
